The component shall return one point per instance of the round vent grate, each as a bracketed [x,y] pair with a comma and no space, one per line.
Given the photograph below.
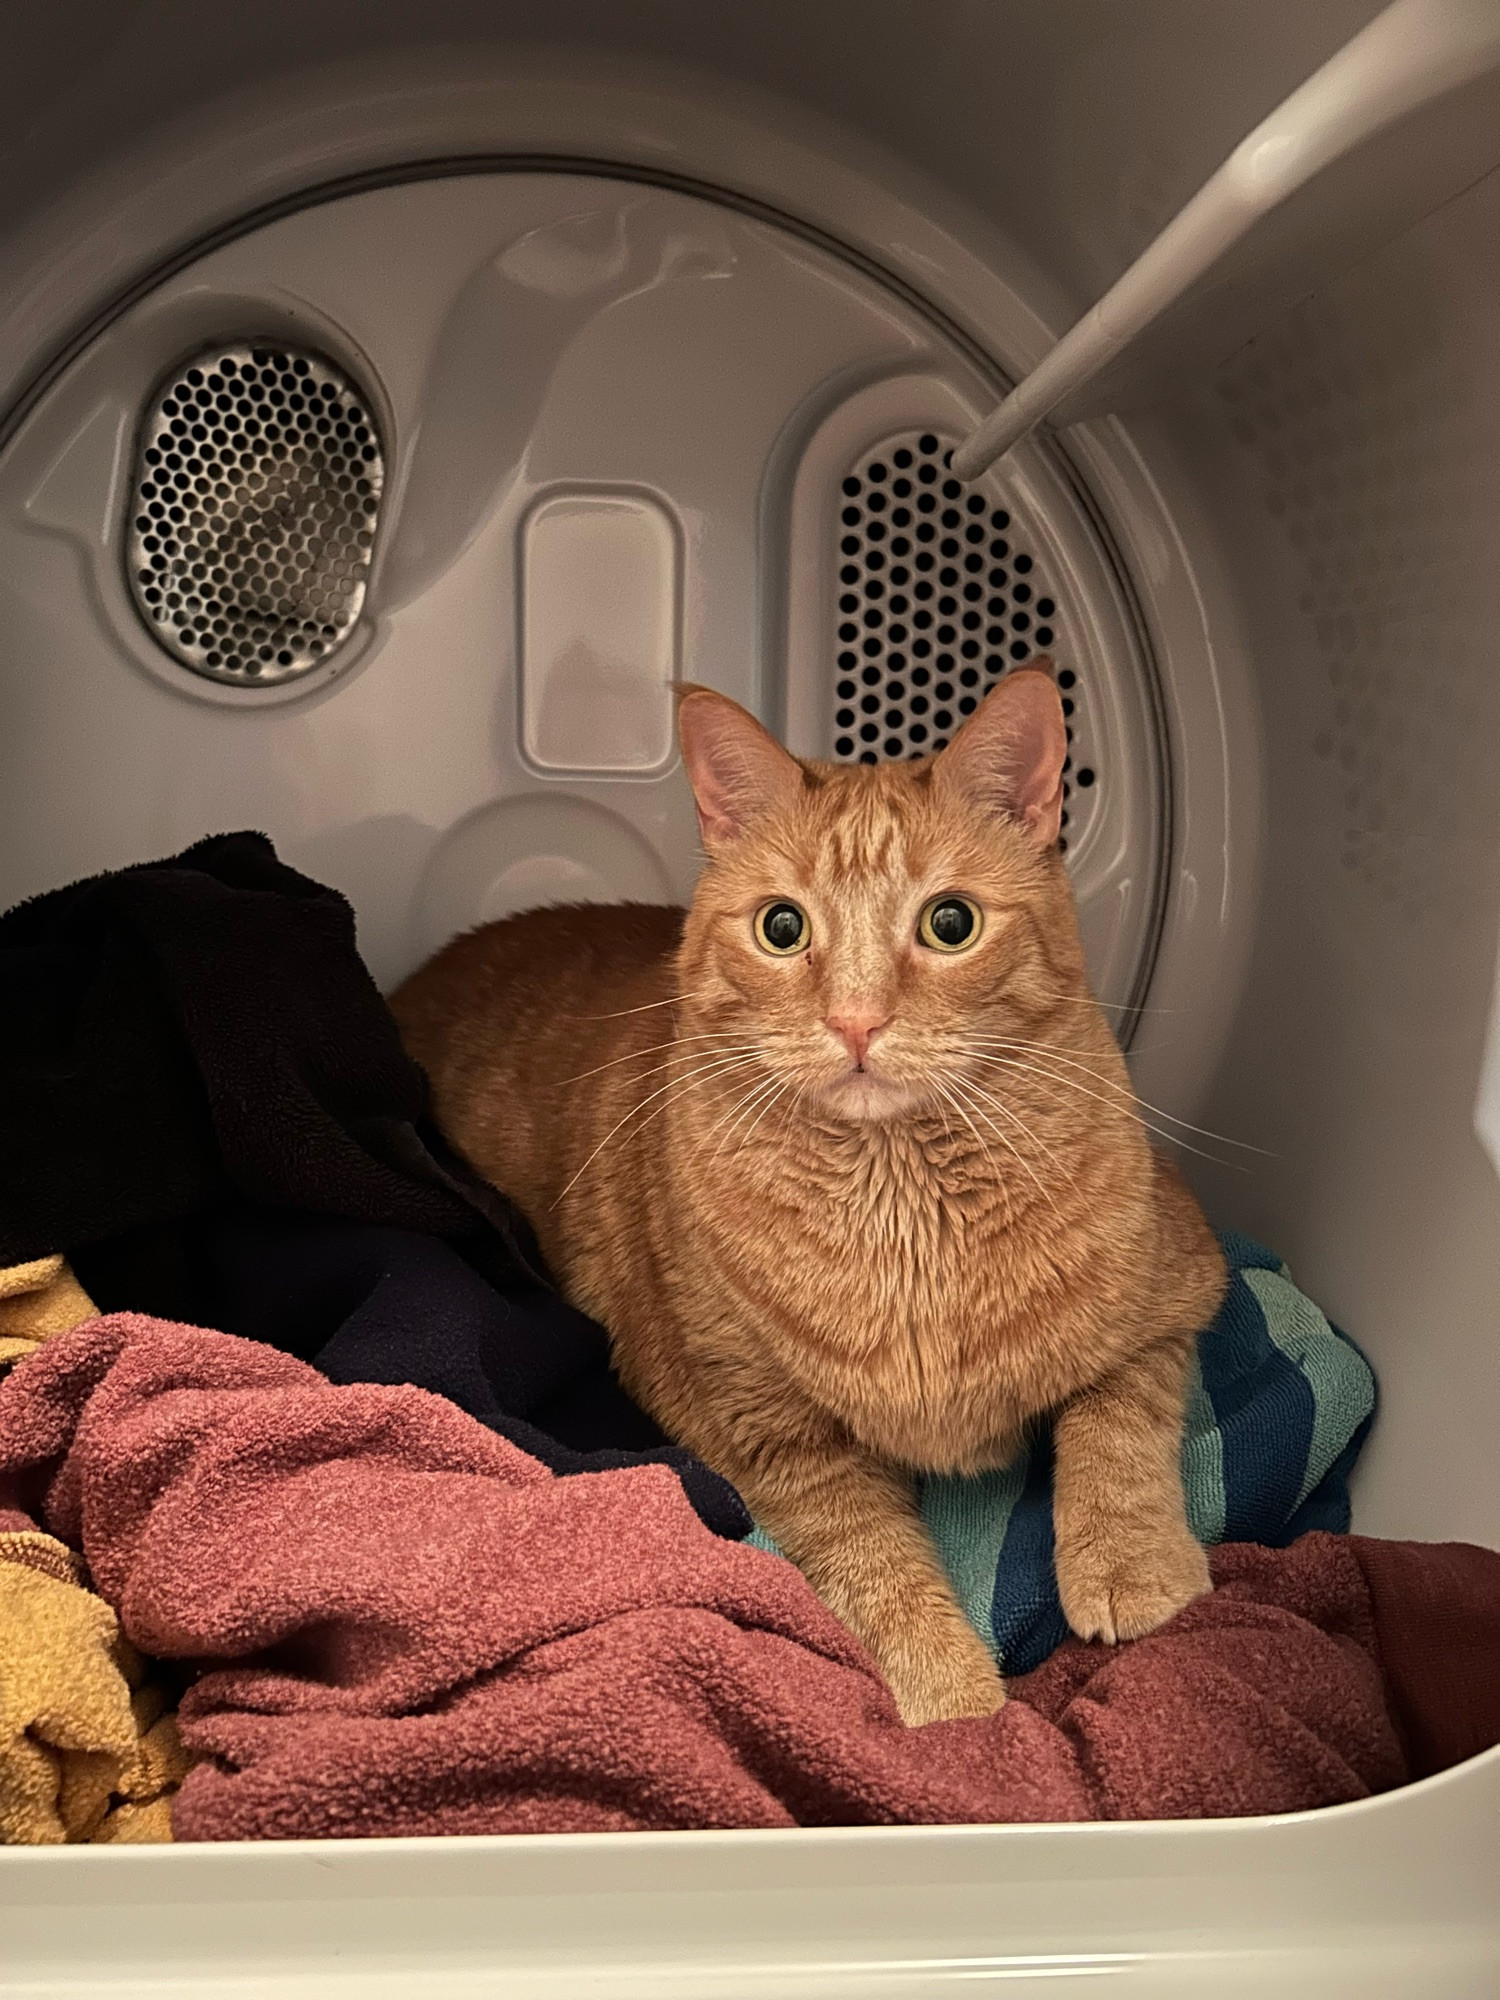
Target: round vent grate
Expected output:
[253,513]
[935,601]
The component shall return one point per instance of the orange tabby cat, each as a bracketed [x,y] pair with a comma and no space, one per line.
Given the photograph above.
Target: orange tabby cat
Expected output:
[847,1160]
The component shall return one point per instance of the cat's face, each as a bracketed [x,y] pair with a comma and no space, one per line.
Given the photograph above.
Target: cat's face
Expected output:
[875,933]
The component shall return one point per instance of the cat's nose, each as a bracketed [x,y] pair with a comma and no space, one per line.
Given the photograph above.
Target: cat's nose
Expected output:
[856,1028]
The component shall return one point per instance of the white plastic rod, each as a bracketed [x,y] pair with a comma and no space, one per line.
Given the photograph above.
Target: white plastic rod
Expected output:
[1405,116]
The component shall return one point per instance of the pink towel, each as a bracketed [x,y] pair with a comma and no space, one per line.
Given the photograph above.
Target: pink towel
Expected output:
[405,1626]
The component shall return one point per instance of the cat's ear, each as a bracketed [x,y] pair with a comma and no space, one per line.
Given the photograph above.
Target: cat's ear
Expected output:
[1008,757]
[738,773]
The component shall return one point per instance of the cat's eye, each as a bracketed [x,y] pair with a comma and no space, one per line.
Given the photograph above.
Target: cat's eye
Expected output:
[782,929]
[949,923]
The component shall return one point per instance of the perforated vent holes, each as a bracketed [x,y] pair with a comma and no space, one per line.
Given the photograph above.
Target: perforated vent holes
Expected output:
[254,508]
[935,600]
[1370,423]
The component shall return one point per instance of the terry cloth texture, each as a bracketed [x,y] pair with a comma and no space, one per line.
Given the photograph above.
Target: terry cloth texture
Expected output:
[386,1305]
[187,1034]
[88,1745]
[88,1748]
[37,1299]
[1279,1406]
[404,1625]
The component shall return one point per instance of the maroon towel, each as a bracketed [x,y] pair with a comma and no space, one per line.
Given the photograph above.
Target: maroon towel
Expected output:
[406,1626]
[1437,1627]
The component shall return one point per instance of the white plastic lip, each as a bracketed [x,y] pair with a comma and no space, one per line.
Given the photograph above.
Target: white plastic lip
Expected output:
[798,1910]
[1027,1834]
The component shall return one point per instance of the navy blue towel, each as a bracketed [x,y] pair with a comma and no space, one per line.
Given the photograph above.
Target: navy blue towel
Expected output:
[388,1305]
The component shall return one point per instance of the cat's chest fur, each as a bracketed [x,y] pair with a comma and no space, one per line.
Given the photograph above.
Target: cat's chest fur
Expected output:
[907,1290]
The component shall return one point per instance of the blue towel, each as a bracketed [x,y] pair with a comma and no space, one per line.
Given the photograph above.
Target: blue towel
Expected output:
[1279,1405]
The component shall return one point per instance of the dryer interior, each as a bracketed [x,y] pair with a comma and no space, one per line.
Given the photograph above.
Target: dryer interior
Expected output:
[654,298]
[674,303]
[1270,588]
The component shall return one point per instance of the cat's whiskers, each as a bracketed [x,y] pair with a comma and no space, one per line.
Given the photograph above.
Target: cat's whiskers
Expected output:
[671,1000]
[729,1112]
[1126,1105]
[1040,1048]
[1046,1049]
[780,1091]
[946,1096]
[637,1055]
[694,1080]
[947,1128]
[1123,1102]
[943,1091]
[1017,1120]
[767,1086]
[1105,1006]
[962,1085]
[791,1109]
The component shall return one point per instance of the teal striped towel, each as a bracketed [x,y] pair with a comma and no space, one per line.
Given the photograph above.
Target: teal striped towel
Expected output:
[1279,1406]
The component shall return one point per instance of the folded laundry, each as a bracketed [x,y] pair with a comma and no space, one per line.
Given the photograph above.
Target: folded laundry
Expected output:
[88,1747]
[570,1654]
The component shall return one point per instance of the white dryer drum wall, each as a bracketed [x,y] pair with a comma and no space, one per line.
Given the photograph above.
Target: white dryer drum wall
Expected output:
[617,424]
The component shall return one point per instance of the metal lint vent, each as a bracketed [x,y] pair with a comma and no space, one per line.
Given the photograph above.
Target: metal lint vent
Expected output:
[253,514]
[936,599]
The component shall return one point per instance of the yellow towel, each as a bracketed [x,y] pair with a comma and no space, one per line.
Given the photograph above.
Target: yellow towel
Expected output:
[88,1747]
[36,1300]
[88,1743]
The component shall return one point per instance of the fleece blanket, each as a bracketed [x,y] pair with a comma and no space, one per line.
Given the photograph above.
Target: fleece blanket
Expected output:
[1279,1404]
[571,1654]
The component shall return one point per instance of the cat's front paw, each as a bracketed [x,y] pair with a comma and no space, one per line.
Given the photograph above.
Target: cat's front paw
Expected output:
[1124,1583]
[945,1687]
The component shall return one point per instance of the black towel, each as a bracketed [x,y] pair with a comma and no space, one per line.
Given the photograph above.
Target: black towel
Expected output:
[185,1034]
[204,1023]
